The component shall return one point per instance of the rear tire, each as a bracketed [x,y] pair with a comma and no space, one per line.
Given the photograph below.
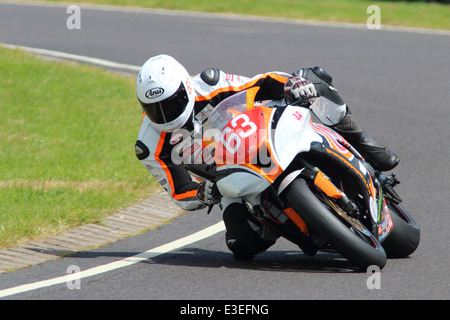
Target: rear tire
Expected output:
[360,249]
[405,235]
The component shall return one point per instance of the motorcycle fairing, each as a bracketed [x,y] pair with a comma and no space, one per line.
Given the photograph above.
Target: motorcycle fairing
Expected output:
[242,153]
[244,141]
[236,181]
[385,225]
[293,135]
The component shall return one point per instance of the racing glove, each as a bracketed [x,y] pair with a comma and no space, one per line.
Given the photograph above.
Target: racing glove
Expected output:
[208,194]
[297,89]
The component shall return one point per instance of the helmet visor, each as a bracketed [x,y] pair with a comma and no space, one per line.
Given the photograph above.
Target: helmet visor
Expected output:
[168,109]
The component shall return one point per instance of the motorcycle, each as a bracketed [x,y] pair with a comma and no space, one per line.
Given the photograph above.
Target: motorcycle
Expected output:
[305,181]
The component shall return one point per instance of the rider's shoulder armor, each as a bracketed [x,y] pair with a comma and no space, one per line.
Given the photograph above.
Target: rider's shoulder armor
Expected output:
[210,76]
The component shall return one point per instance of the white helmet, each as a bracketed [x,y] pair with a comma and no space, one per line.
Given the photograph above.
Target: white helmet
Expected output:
[164,89]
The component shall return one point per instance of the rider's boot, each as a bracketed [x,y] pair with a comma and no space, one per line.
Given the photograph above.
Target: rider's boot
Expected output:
[241,239]
[379,156]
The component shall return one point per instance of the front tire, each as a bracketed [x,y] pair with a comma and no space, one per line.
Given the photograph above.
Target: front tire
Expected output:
[363,250]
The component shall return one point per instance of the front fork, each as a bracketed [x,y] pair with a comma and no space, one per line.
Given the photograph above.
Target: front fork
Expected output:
[324,184]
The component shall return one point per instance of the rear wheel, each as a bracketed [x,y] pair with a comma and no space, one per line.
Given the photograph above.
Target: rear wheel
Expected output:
[404,237]
[352,240]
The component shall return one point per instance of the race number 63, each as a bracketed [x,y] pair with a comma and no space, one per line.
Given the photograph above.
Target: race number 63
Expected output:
[232,141]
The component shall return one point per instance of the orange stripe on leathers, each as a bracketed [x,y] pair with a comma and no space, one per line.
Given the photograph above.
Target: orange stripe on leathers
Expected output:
[188,194]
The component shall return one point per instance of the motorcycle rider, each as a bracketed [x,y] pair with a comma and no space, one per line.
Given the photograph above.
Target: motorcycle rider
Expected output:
[172,100]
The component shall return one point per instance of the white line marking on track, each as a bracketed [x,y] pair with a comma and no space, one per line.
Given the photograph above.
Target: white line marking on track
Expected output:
[64,55]
[176,244]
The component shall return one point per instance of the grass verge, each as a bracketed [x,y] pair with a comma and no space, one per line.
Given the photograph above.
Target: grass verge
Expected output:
[67,135]
[393,13]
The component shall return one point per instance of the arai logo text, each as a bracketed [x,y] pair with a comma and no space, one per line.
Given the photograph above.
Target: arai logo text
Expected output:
[154,93]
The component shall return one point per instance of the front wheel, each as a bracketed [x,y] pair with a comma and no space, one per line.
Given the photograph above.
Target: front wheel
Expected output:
[359,247]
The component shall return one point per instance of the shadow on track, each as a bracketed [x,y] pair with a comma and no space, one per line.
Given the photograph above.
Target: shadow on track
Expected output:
[284,261]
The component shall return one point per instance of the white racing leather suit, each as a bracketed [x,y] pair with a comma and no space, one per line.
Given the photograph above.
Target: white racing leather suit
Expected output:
[154,148]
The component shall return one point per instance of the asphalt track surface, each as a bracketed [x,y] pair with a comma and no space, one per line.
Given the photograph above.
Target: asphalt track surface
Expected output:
[396,83]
